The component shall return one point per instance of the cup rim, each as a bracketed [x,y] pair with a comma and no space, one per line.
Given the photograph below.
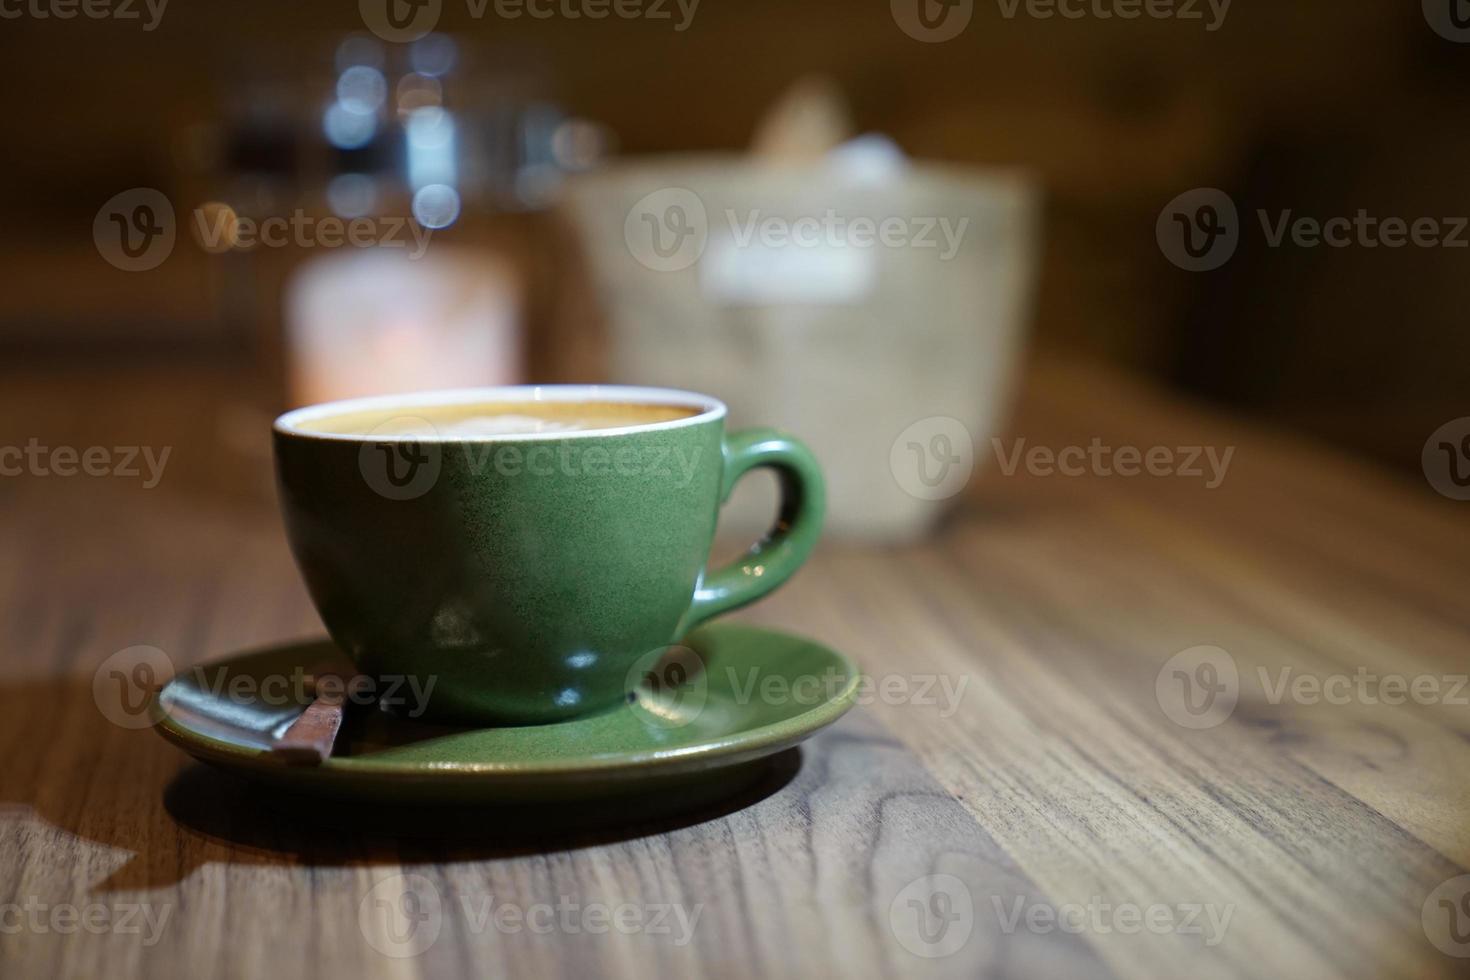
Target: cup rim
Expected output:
[707,409]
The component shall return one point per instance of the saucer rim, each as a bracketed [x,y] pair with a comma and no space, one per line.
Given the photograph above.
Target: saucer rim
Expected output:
[740,746]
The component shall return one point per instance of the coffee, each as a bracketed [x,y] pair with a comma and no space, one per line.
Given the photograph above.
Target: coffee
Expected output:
[479,420]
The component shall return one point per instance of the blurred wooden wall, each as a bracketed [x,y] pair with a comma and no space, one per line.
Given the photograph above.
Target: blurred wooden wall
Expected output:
[1319,105]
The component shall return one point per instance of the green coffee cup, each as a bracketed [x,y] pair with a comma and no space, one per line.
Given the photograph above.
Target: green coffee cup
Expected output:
[511,555]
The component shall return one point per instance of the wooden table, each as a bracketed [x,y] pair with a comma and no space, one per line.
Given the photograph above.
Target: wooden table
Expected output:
[1074,827]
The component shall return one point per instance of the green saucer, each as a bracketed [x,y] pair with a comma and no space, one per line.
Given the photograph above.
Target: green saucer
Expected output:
[745,694]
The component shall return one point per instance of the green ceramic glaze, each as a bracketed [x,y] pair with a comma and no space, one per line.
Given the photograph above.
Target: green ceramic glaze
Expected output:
[525,576]
[753,693]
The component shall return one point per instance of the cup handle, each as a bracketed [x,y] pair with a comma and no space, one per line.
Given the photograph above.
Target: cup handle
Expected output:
[772,559]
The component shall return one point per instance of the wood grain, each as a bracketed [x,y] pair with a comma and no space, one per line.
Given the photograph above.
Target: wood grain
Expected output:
[1049,779]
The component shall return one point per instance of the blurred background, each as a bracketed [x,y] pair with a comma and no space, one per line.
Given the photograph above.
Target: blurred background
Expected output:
[537,142]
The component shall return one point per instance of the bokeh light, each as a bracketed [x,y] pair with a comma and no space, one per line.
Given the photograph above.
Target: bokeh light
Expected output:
[436,206]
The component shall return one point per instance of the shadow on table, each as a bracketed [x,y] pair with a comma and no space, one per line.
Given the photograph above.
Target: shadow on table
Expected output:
[224,818]
[225,808]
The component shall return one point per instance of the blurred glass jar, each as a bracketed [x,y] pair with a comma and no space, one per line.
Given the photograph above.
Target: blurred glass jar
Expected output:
[407,173]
